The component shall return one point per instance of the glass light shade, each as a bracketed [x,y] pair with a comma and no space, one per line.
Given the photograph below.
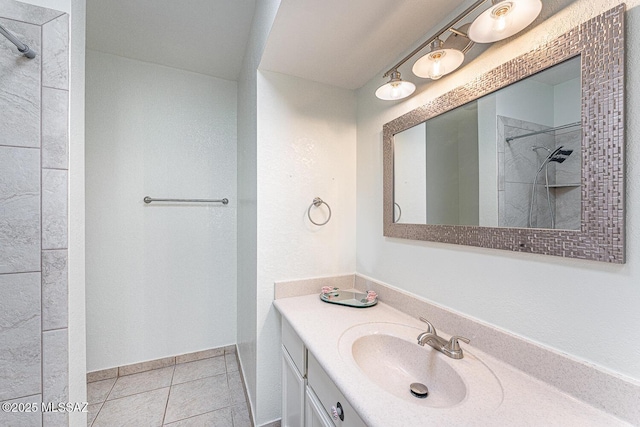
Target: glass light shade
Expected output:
[504,19]
[437,63]
[396,88]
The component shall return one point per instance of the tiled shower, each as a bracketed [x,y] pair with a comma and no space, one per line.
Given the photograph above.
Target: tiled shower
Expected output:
[517,165]
[34,96]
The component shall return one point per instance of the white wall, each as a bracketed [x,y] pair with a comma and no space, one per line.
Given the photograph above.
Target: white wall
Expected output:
[247,195]
[538,107]
[582,308]
[566,102]
[487,162]
[306,148]
[161,278]
[410,175]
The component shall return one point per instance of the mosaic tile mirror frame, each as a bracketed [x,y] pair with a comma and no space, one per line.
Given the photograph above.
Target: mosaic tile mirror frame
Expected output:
[600,44]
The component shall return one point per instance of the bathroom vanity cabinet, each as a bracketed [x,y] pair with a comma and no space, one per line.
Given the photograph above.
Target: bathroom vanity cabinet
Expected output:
[309,397]
[320,371]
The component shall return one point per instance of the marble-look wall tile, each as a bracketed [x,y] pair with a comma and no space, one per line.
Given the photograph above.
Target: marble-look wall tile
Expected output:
[54,289]
[55,374]
[20,88]
[55,133]
[54,209]
[55,53]
[21,419]
[542,205]
[568,206]
[20,210]
[517,198]
[19,335]
[570,171]
[502,222]
[24,12]
[520,161]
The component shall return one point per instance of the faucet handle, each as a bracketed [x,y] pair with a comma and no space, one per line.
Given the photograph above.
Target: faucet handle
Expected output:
[453,343]
[430,328]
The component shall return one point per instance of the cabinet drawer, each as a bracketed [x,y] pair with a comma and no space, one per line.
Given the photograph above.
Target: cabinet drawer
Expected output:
[330,396]
[292,342]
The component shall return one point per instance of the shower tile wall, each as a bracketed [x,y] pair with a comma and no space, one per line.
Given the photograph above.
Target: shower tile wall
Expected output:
[517,167]
[33,213]
[568,199]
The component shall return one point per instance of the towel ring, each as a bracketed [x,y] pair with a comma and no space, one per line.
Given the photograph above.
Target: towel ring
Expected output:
[317,202]
[399,212]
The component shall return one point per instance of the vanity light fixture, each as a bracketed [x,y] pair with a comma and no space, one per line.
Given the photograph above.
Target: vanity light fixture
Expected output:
[438,62]
[505,18]
[396,88]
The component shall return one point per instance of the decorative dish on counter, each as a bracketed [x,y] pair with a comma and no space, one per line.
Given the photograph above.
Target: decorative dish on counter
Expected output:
[349,298]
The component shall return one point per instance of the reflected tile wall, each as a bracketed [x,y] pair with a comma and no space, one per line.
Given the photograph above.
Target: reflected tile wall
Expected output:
[517,168]
[33,212]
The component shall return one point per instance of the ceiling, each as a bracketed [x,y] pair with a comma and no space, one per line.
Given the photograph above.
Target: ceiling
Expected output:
[204,36]
[346,43]
[342,43]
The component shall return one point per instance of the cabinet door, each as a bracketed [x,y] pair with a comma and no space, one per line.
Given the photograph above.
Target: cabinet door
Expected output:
[292,393]
[314,414]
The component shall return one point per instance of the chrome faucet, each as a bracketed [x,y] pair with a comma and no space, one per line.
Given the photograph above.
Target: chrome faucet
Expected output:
[450,348]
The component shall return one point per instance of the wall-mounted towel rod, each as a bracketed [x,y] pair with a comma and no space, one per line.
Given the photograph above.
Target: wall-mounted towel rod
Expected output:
[23,48]
[148,200]
[570,125]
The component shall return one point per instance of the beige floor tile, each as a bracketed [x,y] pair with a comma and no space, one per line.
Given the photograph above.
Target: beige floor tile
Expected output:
[98,391]
[93,412]
[219,418]
[231,361]
[236,388]
[144,381]
[240,415]
[191,371]
[197,397]
[140,410]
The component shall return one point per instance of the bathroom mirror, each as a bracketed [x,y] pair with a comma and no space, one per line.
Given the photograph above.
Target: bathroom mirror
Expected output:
[508,159]
[528,157]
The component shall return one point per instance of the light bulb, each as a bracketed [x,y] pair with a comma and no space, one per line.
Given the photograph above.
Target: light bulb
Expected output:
[500,16]
[395,89]
[438,62]
[437,68]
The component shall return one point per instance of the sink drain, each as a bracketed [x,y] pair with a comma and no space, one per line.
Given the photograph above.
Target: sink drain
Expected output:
[419,390]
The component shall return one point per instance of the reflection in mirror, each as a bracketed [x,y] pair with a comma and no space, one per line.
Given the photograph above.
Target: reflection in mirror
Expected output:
[509,159]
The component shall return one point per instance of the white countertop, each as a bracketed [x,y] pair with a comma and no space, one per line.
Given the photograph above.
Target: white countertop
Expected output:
[526,400]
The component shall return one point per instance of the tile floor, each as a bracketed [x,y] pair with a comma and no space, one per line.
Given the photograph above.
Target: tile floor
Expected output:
[204,393]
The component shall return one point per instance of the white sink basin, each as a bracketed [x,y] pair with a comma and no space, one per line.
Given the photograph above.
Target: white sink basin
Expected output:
[388,355]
